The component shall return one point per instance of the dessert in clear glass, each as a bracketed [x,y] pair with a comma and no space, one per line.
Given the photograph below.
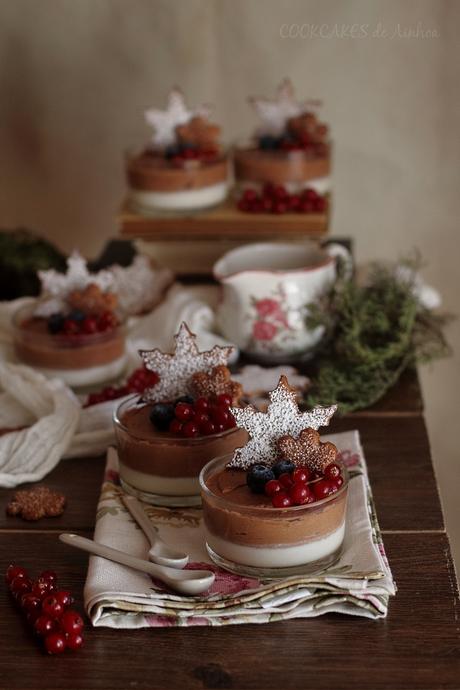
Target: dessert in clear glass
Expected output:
[77,357]
[184,420]
[74,330]
[246,534]
[162,467]
[276,506]
[286,165]
[185,167]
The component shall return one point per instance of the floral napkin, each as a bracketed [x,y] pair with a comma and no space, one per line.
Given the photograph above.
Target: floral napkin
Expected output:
[359,584]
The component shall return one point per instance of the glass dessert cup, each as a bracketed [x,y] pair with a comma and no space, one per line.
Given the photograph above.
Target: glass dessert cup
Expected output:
[158,184]
[294,170]
[158,467]
[79,359]
[246,535]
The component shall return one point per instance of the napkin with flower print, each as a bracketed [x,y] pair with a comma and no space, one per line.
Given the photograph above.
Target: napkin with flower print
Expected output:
[359,584]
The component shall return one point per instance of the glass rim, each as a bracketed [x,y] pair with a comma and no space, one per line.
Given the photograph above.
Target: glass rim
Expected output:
[181,440]
[270,511]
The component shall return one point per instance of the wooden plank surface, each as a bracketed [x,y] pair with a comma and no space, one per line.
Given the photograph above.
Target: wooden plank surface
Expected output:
[416,647]
[397,453]
[224,221]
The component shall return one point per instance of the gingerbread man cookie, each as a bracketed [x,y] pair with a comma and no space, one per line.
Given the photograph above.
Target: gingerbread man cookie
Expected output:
[216,383]
[307,450]
[33,504]
[92,300]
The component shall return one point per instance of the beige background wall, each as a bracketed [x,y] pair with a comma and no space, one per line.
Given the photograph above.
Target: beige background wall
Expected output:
[76,76]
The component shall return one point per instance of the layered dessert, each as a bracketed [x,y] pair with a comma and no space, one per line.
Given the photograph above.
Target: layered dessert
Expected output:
[184,167]
[285,166]
[74,331]
[277,505]
[165,437]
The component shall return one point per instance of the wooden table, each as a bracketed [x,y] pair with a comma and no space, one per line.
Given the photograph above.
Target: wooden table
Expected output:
[416,646]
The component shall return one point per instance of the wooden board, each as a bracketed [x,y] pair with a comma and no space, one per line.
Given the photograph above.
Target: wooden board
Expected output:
[221,222]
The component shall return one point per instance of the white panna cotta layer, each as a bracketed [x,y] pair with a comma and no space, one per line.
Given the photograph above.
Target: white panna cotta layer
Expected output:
[277,556]
[154,484]
[88,376]
[186,200]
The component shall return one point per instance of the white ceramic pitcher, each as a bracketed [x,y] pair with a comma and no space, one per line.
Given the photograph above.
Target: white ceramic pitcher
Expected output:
[266,288]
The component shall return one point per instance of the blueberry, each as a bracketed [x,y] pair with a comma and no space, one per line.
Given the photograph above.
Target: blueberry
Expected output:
[283,466]
[161,415]
[268,143]
[76,315]
[55,323]
[257,477]
[172,150]
[184,399]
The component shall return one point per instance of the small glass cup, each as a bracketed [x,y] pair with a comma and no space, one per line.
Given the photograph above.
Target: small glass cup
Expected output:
[160,186]
[266,542]
[160,468]
[79,360]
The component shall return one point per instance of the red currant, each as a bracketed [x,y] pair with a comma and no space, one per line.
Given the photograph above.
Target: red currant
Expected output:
[184,412]
[201,404]
[285,480]
[190,429]
[19,586]
[280,207]
[301,474]
[200,418]
[224,399]
[48,575]
[320,205]
[332,471]
[14,571]
[219,428]
[64,597]
[272,487]
[74,641]
[249,195]
[52,607]
[280,192]
[299,494]
[243,205]
[281,500]
[71,327]
[41,588]
[55,643]
[231,421]
[219,415]
[89,325]
[29,603]
[208,428]
[322,489]
[306,207]
[338,481]
[71,622]
[309,194]
[44,625]
[175,426]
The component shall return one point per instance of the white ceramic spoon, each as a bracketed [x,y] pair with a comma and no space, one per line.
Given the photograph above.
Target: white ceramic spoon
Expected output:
[159,552]
[183,581]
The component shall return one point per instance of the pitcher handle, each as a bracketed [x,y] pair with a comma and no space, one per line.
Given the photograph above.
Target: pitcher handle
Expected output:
[338,251]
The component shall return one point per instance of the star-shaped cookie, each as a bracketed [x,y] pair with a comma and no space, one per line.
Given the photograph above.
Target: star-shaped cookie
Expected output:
[164,122]
[282,417]
[217,382]
[275,113]
[199,132]
[56,286]
[176,370]
[307,450]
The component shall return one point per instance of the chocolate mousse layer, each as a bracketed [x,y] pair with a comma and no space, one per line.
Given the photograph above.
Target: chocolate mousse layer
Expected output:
[157,174]
[279,167]
[232,512]
[35,345]
[141,447]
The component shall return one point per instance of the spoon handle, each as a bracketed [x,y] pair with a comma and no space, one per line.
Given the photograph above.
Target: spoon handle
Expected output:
[138,513]
[112,554]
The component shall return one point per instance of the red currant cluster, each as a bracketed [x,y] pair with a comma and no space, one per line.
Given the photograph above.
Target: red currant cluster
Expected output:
[46,608]
[288,485]
[78,323]
[276,199]
[190,418]
[193,154]
[139,380]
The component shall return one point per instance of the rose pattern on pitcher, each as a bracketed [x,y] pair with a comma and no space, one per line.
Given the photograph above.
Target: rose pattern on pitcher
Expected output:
[269,319]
